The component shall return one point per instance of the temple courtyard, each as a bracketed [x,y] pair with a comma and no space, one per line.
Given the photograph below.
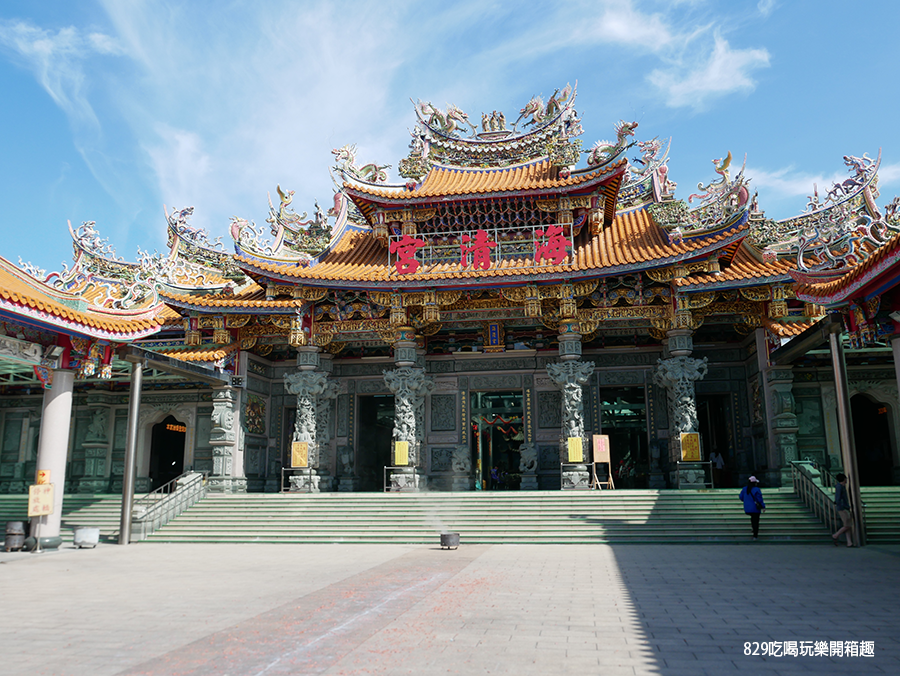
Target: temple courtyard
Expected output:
[393,609]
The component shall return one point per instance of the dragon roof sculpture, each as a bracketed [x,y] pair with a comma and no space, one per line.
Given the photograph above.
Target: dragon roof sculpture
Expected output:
[296,237]
[724,203]
[837,232]
[647,176]
[448,137]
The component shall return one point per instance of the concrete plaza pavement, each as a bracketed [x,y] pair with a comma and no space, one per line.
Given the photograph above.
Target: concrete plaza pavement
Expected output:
[159,609]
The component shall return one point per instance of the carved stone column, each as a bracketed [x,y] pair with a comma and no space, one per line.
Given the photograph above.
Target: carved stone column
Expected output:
[324,406]
[96,447]
[461,464]
[570,377]
[410,387]
[528,462]
[53,449]
[780,381]
[678,374]
[224,439]
[308,385]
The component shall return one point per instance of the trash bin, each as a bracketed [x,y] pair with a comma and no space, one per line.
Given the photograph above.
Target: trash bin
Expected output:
[449,540]
[85,536]
[15,536]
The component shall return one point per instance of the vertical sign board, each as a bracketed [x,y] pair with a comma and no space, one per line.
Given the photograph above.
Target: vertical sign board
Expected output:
[401,453]
[576,452]
[300,454]
[690,447]
[40,500]
[601,448]
[43,477]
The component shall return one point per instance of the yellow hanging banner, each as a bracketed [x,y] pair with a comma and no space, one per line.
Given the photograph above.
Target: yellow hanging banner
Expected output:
[401,453]
[300,454]
[40,500]
[690,447]
[576,450]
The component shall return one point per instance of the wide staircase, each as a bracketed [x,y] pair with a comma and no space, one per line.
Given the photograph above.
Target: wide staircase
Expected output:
[882,507]
[99,511]
[533,517]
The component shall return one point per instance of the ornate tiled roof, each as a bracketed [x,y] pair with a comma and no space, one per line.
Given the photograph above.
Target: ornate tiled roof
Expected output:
[842,288]
[632,242]
[787,329]
[442,181]
[22,295]
[745,269]
[254,299]
[198,353]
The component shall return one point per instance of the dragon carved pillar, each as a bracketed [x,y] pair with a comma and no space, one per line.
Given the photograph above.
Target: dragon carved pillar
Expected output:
[678,375]
[308,386]
[570,377]
[410,386]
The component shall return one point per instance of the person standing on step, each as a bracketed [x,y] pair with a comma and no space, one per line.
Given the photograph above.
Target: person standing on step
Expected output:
[754,505]
[842,505]
[718,464]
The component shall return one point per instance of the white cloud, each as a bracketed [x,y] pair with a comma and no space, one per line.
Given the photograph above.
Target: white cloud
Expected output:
[889,174]
[57,60]
[725,71]
[766,7]
[620,23]
[786,182]
[181,164]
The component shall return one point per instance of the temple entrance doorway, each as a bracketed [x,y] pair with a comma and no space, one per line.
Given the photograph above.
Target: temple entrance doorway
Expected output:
[376,429]
[166,451]
[623,417]
[872,438]
[497,434]
[712,415]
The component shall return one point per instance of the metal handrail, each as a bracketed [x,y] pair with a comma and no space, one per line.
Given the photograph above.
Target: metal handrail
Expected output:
[160,506]
[809,485]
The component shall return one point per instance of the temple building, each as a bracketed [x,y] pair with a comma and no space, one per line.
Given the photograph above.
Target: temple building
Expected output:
[461,329]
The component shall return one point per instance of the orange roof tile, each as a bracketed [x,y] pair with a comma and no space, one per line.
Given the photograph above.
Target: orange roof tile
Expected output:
[744,267]
[787,329]
[256,298]
[633,240]
[446,180]
[202,353]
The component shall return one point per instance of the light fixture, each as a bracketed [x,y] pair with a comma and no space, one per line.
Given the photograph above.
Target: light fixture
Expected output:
[53,351]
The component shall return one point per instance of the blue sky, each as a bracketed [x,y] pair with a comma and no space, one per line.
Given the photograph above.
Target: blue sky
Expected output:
[113,109]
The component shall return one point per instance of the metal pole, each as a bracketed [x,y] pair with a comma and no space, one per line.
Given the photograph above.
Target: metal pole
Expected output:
[134,407]
[845,427]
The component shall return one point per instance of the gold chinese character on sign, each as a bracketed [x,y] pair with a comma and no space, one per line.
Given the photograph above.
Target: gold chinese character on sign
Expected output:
[690,447]
[576,450]
[300,454]
[401,453]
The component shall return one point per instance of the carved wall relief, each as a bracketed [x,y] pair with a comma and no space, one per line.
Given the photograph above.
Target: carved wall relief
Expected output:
[443,412]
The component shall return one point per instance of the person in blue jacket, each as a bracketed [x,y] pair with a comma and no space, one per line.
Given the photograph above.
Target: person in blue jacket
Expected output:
[842,505]
[753,503]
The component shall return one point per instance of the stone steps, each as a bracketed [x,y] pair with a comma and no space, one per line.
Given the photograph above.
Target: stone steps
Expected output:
[882,513]
[490,518]
[551,517]
[99,511]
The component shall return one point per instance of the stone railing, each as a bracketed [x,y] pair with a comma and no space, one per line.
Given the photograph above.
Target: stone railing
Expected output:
[157,508]
[813,487]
